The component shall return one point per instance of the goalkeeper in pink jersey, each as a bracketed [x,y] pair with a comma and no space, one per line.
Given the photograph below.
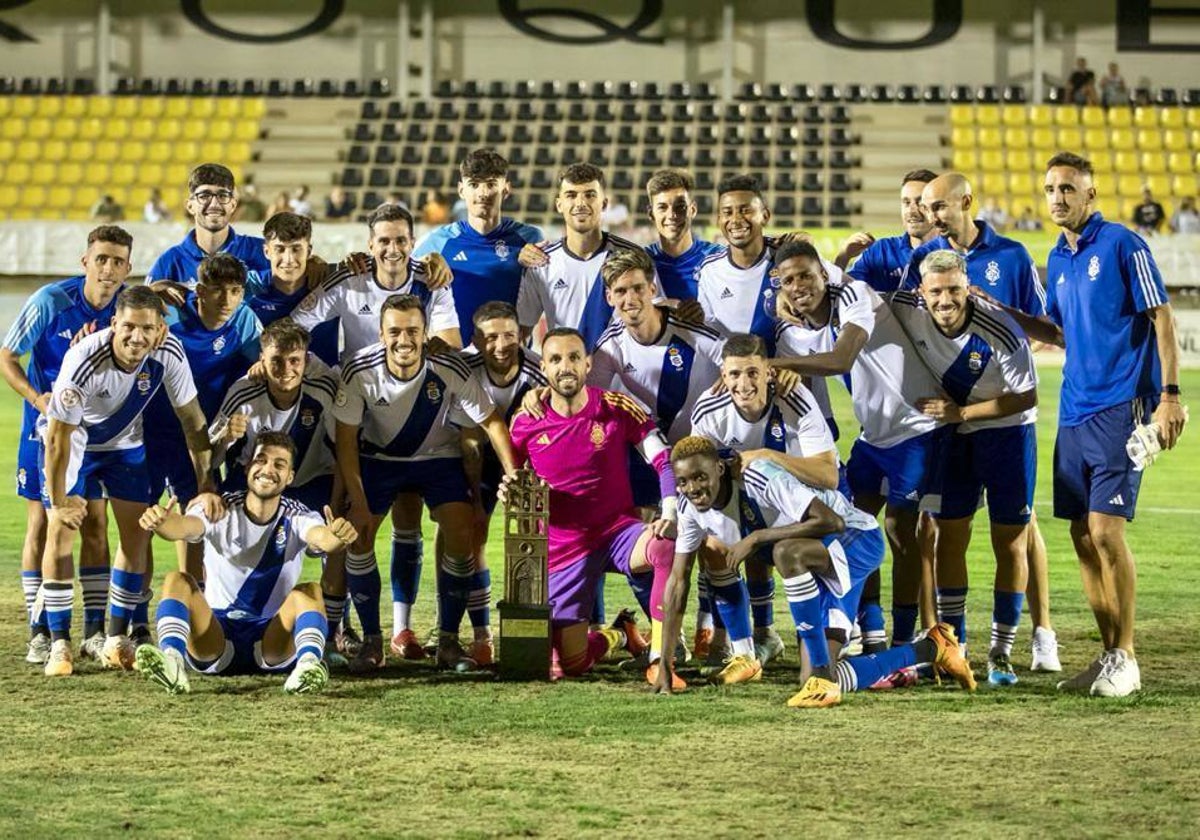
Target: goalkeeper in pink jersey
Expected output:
[579,448]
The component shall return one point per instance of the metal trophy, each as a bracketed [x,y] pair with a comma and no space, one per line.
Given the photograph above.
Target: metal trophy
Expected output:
[525,610]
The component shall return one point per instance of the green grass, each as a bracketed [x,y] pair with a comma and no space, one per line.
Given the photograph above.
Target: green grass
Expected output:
[414,753]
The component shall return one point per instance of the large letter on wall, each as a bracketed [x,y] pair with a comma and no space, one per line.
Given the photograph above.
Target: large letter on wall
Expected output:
[1133,26]
[608,31]
[947,19]
[331,10]
[12,33]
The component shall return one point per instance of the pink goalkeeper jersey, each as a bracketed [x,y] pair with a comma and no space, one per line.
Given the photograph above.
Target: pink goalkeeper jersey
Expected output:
[585,460]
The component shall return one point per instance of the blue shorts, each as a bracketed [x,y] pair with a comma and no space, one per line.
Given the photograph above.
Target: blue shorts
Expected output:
[1001,461]
[29,472]
[437,481]
[643,479]
[856,555]
[174,475]
[314,494]
[490,480]
[901,470]
[1092,471]
[116,474]
[243,646]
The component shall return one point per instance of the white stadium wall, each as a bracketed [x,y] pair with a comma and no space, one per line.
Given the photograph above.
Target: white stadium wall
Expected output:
[774,41]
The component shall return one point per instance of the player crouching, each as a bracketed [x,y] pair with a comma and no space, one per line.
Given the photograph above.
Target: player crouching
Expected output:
[252,616]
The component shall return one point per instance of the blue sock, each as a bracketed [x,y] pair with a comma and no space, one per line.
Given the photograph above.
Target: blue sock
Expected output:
[173,624]
[804,601]
[1006,616]
[124,595]
[309,633]
[364,585]
[453,590]
[871,623]
[733,606]
[407,548]
[952,609]
[31,582]
[597,617]
[870,669]
[762,601]
[479,601]
[904,622]
[141,613]
[94,581]
[640,584]
[58,598]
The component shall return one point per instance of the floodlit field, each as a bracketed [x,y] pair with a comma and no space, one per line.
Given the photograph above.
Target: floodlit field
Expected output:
[417,753]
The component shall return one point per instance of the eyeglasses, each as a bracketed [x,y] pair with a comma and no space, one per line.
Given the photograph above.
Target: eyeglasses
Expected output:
[223,197]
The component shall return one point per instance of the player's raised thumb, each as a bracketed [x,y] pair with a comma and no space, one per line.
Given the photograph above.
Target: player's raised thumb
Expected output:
[328,515]
[171,504]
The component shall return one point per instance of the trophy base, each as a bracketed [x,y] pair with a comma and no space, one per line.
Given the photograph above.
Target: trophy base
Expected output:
[524,642]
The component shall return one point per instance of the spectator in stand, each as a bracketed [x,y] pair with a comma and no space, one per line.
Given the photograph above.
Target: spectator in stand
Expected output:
[300,205]
[1081,84]
[155,210]
[339,206]
[107,210]
[1028,221]
[281,204]
[1113,90]
[434,211]
[250,207]
[1148,217]
[1186,219]
[994,215]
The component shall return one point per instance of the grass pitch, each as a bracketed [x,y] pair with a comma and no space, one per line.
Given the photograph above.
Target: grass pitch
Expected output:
[415,753]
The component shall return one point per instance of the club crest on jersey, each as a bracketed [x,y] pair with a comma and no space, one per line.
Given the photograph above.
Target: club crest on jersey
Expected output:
[340,399]
[1093,267]
[975,361]
[502,251]
[309,303]
[71,398]
[992,273]
[433,392]
[219,344]
[776,430]
[675,358]
[308,418]
[280,537]
[598,437]
[143,383]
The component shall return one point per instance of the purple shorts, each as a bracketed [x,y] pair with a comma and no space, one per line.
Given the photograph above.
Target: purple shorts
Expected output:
[573,587]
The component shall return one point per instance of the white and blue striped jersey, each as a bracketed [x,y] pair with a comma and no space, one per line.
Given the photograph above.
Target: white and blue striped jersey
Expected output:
[989,358]
[308,421]
[356,299]
[886,379]
[568,289]
[506,398]
[790,424]
[249,568]
[105,402]
[406,419]
[767,497]
[668,376]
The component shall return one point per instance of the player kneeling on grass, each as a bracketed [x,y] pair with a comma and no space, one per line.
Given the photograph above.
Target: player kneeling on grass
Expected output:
[252,616]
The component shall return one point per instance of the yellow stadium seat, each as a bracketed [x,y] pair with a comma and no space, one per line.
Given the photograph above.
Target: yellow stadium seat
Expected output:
[1179,163]
[1121,139]
[1014,115]
[1191,117]
[44,172]
[86,196]
[65,128]
[1149,139]
[231,109]
[1020,160]
[988,115]
[1184,184]
[33,196]
[220,130]
[168,129]
[49,106]
[144,129]
[24,213]
[195,130]
[961,137]
[24,106]
[28,150]
[116,129]
[107,151]
[175,197]
[55,150]
[989,137]
[158,151]
[1021,184]
[254,109]
[76,106]
[176,107]
[39,128]
[1016,137]
[1154,163]
[201,108]
[90,128]
[177,173]
[9,196]
[17,171]
[1175,140]
[151,107]
[1145,117]
[126,107]
[5,106]
[991,160]
[1066,115]
[1102,160]
[1043,138]
[1160,185]
[119,192]
[1096,138]
[186,151]
[1129,185]
[123,173]
[1126,163]
[100,106]
[1119,117]
[8,149]
[1171,118]
[96,174]
[1092,116]
[1070,139]
[60,198]
[993,183]
[1041,115]
[133,151]
[12,129]
[211,150]
[150,174]
[237,152]
[246,130]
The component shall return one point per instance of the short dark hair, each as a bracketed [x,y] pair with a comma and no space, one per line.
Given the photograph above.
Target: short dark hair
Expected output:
[482,164]
[739,183]
[670,179]
[623,260]
[922,175]
[288,227]
[221,269]
[211,173]
[494,309]
[564,332]
[796,248]
[286,335]
[403,303]
[581,173]
[1072,160]
[111,233]
[140,297]
[744,344]
[270,437]
[391,213]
